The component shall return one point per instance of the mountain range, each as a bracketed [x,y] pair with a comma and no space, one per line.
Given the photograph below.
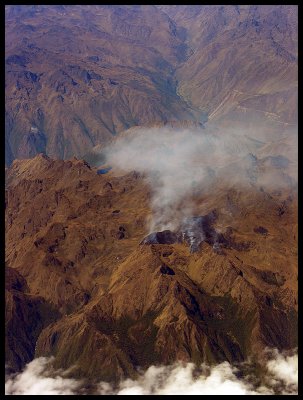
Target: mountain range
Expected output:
[150,186]
[222,286]
[78,75]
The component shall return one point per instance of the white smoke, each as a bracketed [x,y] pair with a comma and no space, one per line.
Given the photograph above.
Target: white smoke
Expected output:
[281,377]
[181,163]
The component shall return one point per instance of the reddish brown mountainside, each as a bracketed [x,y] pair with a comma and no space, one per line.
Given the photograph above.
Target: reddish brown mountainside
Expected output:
[89,280]
[73,244]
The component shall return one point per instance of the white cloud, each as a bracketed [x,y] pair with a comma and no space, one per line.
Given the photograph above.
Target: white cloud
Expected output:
[181,379]
[39,377]
[283,371]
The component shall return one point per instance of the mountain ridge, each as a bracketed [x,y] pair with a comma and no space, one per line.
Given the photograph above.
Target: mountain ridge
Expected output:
[112,70]
[104,284]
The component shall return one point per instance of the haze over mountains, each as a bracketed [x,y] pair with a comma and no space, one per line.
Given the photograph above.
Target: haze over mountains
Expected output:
[235,51]
[171,237]
[77,75]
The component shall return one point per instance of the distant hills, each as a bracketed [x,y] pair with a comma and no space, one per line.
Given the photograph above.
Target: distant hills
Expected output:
[78,75]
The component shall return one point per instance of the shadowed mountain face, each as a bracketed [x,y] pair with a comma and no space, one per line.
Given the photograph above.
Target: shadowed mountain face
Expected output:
[117,298]
[77,75]
[194,231]
[170,237]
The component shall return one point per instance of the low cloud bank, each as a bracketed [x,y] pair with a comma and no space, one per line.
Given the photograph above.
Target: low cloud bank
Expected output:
[280,377]
[39,377]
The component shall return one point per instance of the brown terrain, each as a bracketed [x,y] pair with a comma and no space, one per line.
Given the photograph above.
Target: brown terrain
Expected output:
[86,280]
[90,70]
[235,51]
[109,297]
[77,75]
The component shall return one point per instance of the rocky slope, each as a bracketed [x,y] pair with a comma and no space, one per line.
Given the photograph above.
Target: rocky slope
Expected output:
[90,279]
[116,298]
[235,51]
[77,75]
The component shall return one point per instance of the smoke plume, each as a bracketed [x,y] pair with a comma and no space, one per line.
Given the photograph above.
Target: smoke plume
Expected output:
[183,163]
